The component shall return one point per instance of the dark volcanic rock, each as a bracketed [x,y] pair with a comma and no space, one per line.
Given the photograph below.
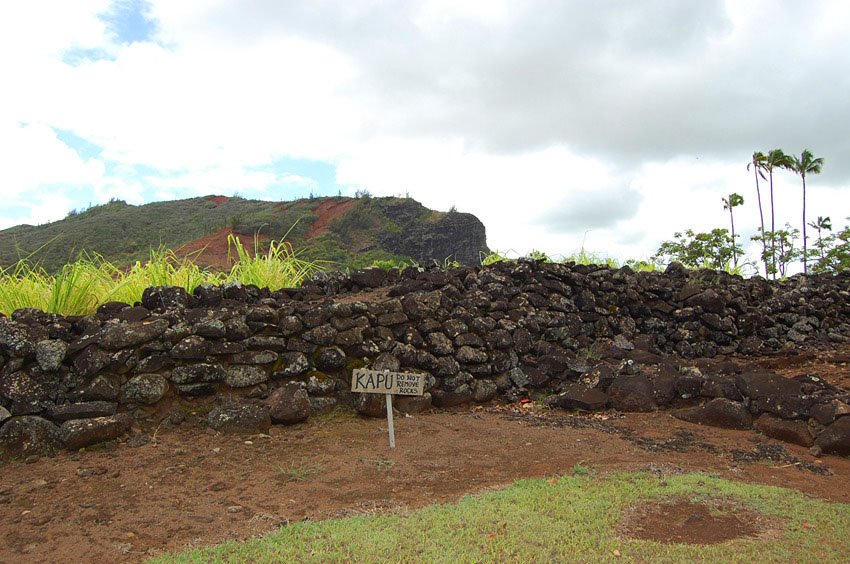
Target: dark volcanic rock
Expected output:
[371,405]
[127,335]
[796,431]
[632,393]
[29,435]
[82,410]
[165,297]
[719,412]
[459,396]
[79,433]
[145,389]
[241,376]
[50,353]
[289,404]
[197,373]
[239,418]
[577,396]
[835,439]
[771,393]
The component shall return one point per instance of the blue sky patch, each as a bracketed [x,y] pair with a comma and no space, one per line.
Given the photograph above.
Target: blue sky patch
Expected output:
[128,20]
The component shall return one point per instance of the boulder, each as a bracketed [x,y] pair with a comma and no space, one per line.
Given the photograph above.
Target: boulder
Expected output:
[239,418]
[632,393]
[165,297]
[371,405]
[29,435]
[82,410]
[244,375]
[50,353]
[144,389]
[459,396]
[790,431]
[719,412]
[330,359]
[197,374]
[483,390]
[127,335]
[579,397]
[79,433]
[412,404]
[20,387]
[289,404]
[4,414]
[771,393]
[14,338]
[291,365]
[835,439]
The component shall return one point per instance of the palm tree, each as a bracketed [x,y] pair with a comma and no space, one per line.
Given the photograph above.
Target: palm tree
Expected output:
[821,224]
[757,163]
[806,164]
[733,201]
[775,158]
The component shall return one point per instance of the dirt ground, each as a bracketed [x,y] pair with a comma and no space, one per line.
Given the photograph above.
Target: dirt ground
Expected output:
[190,487]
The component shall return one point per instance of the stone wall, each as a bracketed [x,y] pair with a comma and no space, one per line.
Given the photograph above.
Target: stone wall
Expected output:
[240,358]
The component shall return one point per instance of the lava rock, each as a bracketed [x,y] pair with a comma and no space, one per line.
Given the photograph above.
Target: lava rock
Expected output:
[835,439]
[50,353]
[197,373]
[165,297]
[29,435]
[771,393]
[291,365]
[289,404]
[82,410]
[242,376]
[579,397]
[239,418]
[79,433]
[632,393]
[483,390]
[144,389]
[790,431]
[719,412]
[127,335]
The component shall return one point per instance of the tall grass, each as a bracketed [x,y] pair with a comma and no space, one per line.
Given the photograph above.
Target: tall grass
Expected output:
[81,286]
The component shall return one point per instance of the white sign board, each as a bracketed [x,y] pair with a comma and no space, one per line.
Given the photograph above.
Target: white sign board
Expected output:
[386,382]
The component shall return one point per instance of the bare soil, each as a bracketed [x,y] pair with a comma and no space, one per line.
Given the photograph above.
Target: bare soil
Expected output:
[214,250]
[326,212]
[188,486]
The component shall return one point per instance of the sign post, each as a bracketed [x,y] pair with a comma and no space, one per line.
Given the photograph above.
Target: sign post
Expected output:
[388,383]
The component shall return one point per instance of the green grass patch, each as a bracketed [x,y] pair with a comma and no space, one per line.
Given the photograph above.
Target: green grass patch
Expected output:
[573,518]
[81,286]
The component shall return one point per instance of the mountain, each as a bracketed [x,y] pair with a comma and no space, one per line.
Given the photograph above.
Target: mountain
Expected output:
[351,232]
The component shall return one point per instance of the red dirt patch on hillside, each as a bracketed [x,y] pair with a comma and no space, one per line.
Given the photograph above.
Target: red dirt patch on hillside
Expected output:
[212,250]
[218,200]
[326,212]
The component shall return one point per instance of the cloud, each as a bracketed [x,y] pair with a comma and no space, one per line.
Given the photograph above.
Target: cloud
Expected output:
[537,116]
[587,210]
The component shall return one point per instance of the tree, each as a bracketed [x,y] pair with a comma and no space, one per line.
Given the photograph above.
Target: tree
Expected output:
[775,158]
[733,201]
[714,249]
[784,250]
[757,165]
[805,164]
[821,224]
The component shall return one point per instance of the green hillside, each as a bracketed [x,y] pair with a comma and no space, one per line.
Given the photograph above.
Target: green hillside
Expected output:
[352,232]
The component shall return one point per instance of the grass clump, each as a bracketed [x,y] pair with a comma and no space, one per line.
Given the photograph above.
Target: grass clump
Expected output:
[574,518]
[79,287]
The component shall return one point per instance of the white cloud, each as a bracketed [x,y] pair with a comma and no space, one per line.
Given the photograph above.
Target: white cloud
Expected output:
[557,122]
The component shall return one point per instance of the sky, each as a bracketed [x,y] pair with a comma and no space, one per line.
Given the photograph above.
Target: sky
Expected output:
[562,124]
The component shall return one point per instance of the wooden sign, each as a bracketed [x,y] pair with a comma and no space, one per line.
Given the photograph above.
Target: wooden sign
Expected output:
[386,382]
